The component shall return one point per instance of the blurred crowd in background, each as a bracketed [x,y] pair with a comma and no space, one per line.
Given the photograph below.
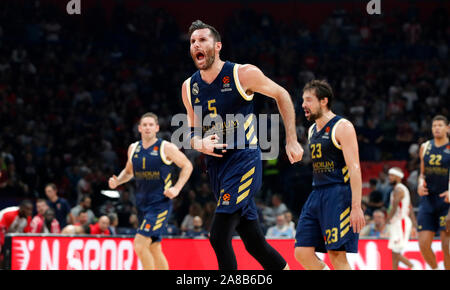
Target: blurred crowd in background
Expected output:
[71,94]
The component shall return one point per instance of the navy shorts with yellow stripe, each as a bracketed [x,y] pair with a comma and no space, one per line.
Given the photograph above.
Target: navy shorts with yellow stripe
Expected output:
[324,222]
[235,180]
[432,213]
[153,222]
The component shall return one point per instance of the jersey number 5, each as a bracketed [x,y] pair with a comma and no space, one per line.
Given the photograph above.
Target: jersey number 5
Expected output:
[212,108]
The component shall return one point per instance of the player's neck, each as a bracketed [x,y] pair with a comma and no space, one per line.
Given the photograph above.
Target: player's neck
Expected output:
[210,74]
[441,141]
[147,142]
[324,119]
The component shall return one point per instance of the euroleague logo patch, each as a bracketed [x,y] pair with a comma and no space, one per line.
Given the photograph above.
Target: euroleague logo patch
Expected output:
[226,199]
[226,80]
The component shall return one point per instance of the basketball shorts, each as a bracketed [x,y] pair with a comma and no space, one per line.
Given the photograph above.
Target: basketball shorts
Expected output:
[153,222]
[235,180]
[399,233]
[432,212]
[324,222]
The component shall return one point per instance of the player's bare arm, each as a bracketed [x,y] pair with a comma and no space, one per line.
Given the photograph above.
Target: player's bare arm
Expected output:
[174,154]
[125,175]
[253,80]
[422,189]
[207,144]
[346,136]
[398,195]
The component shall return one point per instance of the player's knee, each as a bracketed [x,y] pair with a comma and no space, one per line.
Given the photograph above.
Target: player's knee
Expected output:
[303,255]
[141,244]
[155,248]
[338,257]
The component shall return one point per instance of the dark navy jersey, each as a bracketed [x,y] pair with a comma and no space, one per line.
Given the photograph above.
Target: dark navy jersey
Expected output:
[436,164]
[224,108]
[152,172]
[326,154]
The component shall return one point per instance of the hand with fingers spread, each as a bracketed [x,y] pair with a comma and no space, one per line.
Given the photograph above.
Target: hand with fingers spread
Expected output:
[210,145]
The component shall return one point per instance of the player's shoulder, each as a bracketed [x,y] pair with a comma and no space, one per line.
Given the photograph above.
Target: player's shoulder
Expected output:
[247,68]
[425,144]
[343,124]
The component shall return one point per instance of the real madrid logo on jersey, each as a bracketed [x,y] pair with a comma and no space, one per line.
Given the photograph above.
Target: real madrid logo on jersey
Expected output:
[195,89]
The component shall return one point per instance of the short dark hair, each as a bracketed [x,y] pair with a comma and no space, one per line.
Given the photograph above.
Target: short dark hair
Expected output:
[52,185]
[151,115]
[440,118]
[198,24]
[322,89]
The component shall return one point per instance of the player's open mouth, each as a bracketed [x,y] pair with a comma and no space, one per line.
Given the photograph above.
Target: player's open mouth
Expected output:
[199,56]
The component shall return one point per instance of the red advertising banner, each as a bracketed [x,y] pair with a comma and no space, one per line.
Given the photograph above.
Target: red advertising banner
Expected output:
[109,253]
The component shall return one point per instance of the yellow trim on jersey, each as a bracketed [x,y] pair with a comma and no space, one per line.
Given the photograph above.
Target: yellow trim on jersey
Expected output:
[345,222]
[163,155]
[188,90]
[254,141]
[160,221]
[162,214]
[245,185]
[425,148]
[248,121]
[133,149]
[238,84]
[168,177]
[242,196]
[249,133]
[168,185]
[157,226]
[248,174]
[344,213]
[343,232]
[346,177]
[333,137]
[310,131]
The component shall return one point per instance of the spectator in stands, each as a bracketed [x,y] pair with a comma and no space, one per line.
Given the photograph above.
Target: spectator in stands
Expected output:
[197,231]
[277,208]
[82,218]
[44,221]
[289,221]
[17,219]
[124,209]
[377,228]
[114,222]
[131,230]
[84,205]
[376,200]
[281,230]
[188,222]
[101,227]
[60,205]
